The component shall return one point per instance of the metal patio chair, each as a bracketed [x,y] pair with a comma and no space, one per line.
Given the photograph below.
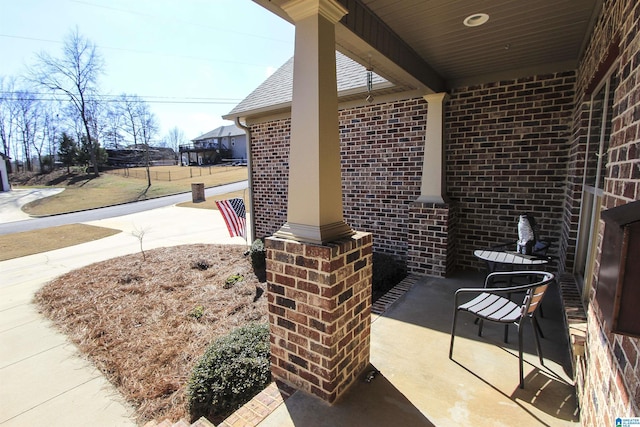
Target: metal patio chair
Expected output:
[500,305]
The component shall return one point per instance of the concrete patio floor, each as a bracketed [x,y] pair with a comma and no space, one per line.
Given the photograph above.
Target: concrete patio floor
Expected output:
[419,385]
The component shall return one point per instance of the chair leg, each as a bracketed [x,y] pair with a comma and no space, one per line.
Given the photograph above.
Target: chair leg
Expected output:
[453,332]
[506,333]
[536,327]
[520,355]
[480,324]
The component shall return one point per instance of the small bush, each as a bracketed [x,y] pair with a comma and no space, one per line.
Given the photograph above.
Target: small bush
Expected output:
[387,273]
[232,280]
[258,255]
[233,369]
[197,312]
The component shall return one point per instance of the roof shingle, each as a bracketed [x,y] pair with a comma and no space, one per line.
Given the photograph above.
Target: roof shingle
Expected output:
[277,89]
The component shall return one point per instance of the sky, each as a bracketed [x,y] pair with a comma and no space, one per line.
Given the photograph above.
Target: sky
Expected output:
[191,60]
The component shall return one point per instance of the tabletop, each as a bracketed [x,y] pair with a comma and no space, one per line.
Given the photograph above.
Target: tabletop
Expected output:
[502,257]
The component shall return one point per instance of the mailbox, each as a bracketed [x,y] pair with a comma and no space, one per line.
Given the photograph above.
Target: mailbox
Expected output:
[618,291]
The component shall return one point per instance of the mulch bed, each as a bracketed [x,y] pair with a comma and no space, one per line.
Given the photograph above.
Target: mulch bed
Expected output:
[145,321]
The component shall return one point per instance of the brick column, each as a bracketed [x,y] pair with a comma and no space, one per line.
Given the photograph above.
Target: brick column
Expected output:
[319,312]
[432,239]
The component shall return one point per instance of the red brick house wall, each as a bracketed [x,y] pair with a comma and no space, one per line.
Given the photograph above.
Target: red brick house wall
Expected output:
[609,374]
[507,149]
[270,169]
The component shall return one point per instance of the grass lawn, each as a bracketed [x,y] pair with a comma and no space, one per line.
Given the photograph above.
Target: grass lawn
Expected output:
[86,192]
[17,245]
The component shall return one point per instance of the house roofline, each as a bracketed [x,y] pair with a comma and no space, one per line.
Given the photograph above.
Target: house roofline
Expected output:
[283,110]
[379,90]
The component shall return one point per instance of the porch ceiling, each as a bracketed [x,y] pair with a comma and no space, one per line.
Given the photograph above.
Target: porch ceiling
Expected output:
[521,38]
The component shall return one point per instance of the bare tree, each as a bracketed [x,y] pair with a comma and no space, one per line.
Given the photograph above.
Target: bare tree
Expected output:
[75,75]
[129,107]
[140,123]
[28,120]
[7,115]
[49,137]
[149,130]
[115,120]
[174,139]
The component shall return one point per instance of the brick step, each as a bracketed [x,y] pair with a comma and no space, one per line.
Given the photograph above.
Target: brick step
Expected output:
[202,422]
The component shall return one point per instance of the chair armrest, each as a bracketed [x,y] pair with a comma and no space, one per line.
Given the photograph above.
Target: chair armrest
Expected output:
[505,275]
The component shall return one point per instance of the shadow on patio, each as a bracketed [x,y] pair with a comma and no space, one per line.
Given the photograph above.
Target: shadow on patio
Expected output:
[418,385]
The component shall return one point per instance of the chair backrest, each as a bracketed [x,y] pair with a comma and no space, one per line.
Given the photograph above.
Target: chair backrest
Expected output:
[535,293]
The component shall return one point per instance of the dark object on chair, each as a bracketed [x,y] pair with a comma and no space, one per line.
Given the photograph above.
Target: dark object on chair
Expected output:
[495,305]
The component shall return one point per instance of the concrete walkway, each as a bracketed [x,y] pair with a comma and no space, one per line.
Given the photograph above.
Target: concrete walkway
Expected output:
[43,379]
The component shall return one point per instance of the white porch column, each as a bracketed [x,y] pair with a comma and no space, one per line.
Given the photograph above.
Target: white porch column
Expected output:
[314,211]
[434,184]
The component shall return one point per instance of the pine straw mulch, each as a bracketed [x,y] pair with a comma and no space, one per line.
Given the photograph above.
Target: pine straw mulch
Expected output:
[138,319]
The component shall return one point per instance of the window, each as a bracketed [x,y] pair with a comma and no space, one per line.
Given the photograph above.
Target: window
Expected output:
[596,159]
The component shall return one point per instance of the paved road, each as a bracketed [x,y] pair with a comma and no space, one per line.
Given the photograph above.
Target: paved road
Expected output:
[111,211]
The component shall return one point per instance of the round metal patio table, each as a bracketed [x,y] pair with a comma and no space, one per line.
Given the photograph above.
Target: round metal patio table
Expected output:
[493,258]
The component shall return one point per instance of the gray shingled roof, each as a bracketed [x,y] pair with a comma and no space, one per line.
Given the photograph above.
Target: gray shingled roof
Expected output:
[277,89]
[230,130]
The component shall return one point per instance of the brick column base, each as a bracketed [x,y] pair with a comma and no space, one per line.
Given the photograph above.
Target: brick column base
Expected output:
[432,239]
[320,312]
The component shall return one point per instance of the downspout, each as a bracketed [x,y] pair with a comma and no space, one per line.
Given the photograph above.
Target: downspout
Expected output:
[247,130]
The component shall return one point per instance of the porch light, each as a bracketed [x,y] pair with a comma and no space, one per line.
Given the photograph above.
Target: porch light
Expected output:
[475,20]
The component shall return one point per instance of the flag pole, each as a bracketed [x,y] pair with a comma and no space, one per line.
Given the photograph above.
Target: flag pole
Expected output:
[246,232]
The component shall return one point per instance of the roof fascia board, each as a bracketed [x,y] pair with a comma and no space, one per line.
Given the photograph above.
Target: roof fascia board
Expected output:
[362,22]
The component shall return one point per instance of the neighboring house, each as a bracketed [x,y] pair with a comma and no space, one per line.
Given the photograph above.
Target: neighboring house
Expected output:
[4,174]
[206,149]
[468,135]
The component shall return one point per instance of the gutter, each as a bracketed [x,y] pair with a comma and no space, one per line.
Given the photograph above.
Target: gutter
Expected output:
[247,130]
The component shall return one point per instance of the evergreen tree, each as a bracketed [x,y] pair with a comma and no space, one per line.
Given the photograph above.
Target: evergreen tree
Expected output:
[68,151]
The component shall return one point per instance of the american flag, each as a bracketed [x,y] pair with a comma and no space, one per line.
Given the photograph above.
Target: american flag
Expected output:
[234,215]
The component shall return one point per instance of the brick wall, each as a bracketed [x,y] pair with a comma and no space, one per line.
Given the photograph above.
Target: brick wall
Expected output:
[382,148]
[611,379]
[270,145]
[507,149]
[382,153]
[507,152]
[432,239]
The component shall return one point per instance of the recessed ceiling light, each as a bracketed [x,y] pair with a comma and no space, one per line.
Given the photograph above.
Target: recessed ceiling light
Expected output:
[476,19]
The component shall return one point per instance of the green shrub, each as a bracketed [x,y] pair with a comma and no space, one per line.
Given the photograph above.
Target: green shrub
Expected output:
[387,272]
[258,255]
[233,369]
[197,312]
[232,280]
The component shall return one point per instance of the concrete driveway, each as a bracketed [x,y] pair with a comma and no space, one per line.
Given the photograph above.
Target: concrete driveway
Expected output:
[12,201]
